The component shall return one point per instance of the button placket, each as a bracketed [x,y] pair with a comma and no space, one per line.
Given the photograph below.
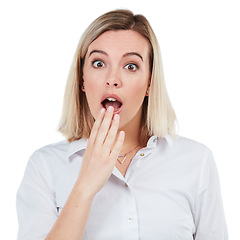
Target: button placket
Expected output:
[131,215]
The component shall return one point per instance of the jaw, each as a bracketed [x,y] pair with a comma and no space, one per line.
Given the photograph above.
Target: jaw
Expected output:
[130,122]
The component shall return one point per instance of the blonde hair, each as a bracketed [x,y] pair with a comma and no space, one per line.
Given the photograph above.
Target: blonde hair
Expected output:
[158,116]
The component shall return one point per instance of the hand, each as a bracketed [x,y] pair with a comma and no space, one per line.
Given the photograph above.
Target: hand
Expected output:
[101,153]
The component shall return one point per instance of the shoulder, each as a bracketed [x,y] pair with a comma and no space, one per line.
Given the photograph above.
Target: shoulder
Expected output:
[50,153]
[192,150]
[187,144]
[54,148]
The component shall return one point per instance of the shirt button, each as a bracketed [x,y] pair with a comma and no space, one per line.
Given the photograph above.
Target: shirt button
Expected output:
[142,154]
[130,220]
[126,185]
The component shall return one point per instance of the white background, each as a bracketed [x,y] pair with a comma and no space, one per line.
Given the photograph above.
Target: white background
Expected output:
[201,55]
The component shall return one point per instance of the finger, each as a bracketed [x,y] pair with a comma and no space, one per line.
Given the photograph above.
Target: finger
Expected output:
[105,125]
[96,126]
[112,133]
[117,147]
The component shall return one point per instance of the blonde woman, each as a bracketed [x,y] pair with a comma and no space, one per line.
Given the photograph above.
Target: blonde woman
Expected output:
[123,173]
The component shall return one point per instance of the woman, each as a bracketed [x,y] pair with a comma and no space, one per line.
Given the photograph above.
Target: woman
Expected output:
[123,173]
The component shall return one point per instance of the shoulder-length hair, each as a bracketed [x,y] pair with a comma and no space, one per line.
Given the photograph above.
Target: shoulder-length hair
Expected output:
[158,116]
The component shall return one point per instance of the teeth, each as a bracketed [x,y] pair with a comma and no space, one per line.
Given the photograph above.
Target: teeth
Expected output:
[111,99]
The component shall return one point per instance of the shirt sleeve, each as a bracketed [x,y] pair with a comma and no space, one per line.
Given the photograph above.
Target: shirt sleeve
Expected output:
[36,207]
[209,214]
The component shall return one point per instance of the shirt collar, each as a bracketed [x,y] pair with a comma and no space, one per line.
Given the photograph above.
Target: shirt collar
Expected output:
[154,141]
[170,141]
[75,147]
[81,144]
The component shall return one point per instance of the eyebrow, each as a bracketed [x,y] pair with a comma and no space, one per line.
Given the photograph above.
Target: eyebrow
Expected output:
[125,55]
[133,54]
[97,51]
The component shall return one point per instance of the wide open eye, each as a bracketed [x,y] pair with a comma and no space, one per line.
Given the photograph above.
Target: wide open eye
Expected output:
[132,67]
[98,64]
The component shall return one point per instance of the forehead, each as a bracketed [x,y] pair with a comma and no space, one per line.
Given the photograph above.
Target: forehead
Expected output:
[121,42]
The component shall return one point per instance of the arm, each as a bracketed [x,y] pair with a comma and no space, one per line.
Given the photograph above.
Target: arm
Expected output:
[36,207]
[209,214]
[98,162]
[73,218]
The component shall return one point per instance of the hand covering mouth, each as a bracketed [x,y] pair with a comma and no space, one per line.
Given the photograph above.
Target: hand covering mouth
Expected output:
[111,101]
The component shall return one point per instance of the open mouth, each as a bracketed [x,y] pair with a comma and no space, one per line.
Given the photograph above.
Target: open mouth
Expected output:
[110,101]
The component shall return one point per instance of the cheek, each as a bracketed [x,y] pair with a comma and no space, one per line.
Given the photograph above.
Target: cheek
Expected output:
[139,88]
[89,79]
[92,84]
[88,76]
[92,94]
[136,95]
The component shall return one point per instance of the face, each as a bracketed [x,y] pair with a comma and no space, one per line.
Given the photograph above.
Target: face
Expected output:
[116,73]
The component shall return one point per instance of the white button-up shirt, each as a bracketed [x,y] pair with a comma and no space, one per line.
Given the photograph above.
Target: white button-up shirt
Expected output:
[170,191]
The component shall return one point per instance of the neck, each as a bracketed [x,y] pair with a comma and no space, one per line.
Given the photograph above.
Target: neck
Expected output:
[132,138]
[129,143]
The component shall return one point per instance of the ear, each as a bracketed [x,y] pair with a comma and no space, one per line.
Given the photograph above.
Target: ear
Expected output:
[83,87]
[147,92]
[148,88]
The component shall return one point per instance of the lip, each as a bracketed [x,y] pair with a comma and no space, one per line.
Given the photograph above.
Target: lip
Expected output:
[113,96]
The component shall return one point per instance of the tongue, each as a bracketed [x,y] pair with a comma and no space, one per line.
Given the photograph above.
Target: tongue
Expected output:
[115,104]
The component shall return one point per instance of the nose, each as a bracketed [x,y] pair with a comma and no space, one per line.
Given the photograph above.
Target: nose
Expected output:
[113,78]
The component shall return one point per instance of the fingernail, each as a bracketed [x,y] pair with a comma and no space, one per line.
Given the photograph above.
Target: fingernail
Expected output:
[110,109]
[122,133]
[102,110]
[116,117]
